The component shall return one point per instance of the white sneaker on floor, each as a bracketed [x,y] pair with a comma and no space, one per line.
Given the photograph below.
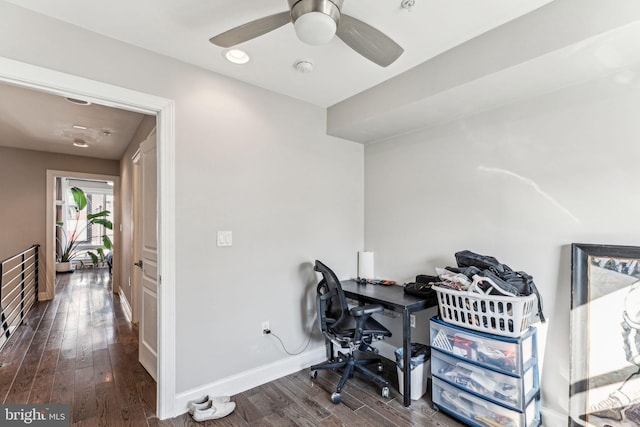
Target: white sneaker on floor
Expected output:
[203,402]
[213,411]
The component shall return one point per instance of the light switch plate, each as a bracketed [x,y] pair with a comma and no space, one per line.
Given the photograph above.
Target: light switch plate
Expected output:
[225,238]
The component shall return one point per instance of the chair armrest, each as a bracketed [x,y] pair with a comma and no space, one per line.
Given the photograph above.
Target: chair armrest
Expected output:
[363,310]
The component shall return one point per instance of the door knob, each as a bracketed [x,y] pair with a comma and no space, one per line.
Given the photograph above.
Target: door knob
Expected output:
[138,264]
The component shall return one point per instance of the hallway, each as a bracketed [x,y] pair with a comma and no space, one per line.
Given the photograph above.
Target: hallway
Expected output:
[80,349]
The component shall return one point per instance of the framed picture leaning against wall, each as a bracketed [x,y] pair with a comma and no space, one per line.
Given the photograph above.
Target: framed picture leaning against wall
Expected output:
[605,336]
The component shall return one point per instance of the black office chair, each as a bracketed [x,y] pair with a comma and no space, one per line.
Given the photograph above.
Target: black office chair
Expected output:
[352,329]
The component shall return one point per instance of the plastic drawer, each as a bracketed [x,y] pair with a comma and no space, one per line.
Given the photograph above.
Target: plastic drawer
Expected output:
[508,390]
[502,354]
[478,412]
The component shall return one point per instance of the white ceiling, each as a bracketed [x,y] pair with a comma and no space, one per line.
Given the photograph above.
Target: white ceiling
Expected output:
[182,28]
[461,57]
[33,120]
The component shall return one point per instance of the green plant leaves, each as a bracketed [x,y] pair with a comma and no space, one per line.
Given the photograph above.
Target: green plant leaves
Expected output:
[106,241]
[102,221]
[68,246]
[98,214]
[94,258]
[79,198]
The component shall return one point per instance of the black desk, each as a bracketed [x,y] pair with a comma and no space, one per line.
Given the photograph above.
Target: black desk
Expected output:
[392,298]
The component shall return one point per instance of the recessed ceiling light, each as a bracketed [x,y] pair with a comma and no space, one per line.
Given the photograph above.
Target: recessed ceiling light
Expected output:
[79,127]
[237,56]
[80,143]
[78,101]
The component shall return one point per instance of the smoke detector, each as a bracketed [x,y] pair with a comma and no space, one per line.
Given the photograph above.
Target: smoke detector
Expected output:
[303,66]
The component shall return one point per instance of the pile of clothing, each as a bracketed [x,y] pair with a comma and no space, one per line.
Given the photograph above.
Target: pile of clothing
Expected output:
[481,273]
[489,276]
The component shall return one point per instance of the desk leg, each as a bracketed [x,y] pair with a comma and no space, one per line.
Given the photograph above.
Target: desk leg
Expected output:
[406,354]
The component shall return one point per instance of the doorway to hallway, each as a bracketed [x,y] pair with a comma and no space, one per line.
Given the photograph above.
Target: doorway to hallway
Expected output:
[80,349]
[51,81]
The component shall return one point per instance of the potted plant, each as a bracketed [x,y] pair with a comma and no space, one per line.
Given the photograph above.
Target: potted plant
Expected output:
[67,244]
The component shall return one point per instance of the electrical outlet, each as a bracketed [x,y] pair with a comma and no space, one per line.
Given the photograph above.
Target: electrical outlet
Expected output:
[265,325]
[413,320]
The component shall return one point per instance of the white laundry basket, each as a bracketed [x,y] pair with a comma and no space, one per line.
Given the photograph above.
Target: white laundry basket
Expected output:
[508,316]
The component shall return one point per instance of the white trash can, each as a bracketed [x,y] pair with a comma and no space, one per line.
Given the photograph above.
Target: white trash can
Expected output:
[420,364]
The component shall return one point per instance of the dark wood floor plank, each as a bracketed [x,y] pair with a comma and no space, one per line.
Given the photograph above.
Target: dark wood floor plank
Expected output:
[133,416]
[43,380]
[107,408]
[23,381]
[154,422]
[41,391]
[314,409]
[84,395]
[63,384]
[247,410]
[375,417]
[319,407]
[84,351]
[102,370]
[184,420]
[147,394]
[81,350]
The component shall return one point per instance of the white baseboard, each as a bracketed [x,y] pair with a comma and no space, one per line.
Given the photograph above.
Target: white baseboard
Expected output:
[247,380]
[125,305]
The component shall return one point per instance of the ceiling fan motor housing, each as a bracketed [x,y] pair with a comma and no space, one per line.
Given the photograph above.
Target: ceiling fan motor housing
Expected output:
[315,21]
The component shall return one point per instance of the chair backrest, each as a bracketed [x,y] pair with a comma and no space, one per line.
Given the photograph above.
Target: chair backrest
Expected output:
[332,303]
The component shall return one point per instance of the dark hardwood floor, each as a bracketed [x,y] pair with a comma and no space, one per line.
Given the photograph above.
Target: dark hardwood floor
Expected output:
[79,349]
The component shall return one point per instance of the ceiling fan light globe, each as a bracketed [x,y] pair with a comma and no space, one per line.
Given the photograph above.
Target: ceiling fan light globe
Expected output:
[315,28]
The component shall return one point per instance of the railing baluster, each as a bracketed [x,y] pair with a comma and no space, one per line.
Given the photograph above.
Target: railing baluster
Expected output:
[28,288]
[22,291]
[36,268]
[3,319]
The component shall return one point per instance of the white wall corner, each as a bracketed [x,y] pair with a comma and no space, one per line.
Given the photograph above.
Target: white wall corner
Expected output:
[247,380]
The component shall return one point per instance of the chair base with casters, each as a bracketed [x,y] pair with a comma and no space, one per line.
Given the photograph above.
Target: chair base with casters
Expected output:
[351,329]
[350,364]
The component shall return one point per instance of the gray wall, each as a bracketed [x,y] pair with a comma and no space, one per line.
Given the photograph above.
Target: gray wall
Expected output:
[520,183]
[23,191]
[246,160]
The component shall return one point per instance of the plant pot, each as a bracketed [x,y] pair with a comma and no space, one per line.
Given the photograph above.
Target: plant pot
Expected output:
[64,267]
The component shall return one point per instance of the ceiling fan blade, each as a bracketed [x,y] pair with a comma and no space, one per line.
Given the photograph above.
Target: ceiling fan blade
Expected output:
[251,30]
[368,41]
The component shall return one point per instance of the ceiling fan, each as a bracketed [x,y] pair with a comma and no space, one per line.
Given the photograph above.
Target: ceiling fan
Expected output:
[316,22]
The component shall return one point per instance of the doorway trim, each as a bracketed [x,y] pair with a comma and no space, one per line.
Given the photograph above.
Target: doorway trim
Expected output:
[46,80]
[50,242]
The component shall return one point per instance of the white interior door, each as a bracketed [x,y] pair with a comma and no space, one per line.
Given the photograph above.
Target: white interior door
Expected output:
[148,226]
[135,269]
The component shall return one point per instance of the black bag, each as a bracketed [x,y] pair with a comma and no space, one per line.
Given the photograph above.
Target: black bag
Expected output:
[422,288]
[515,282]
